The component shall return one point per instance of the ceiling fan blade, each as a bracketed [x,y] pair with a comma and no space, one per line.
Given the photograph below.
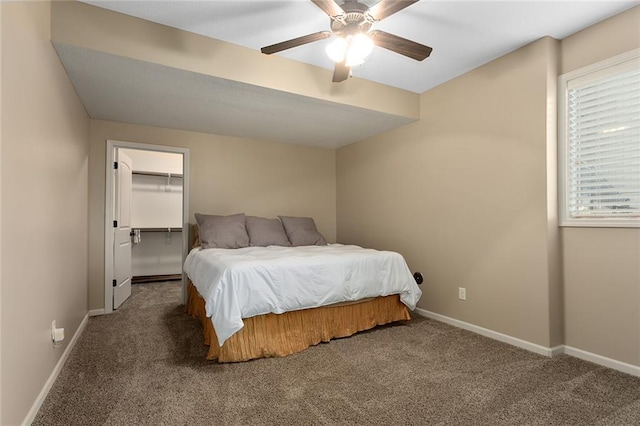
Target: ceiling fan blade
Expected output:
[400,45]
[329,7]
[385,8]
[295,42]
[340,72]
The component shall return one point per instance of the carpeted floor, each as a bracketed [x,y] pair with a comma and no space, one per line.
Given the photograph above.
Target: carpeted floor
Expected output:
[145,364]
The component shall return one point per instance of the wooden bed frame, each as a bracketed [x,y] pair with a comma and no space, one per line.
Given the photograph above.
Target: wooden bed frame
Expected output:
[277,335]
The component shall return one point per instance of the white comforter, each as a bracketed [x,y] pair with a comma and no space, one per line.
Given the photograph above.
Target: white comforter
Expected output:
[246,282]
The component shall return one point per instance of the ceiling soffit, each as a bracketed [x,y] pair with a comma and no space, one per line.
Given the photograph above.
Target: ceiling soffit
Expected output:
[151,74]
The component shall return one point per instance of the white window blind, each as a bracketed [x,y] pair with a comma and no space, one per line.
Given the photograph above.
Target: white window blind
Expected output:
[602,145]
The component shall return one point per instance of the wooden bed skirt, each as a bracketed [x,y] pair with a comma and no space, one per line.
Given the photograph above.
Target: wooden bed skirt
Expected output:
[276,335]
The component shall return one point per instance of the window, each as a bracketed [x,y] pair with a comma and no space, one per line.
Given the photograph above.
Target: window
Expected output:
[600,143]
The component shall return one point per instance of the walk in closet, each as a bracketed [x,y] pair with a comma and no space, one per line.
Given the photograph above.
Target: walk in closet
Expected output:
[156,215]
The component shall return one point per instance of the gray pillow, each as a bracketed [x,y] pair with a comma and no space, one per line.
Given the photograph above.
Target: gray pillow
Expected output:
[266,232]
[227,232]
[302,231]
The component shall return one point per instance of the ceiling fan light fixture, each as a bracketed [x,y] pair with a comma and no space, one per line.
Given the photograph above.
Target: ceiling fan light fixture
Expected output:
[360,48]
[353,39]
[337,49]
[352,49]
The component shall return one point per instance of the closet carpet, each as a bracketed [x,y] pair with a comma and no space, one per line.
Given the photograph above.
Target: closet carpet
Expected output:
[145,364]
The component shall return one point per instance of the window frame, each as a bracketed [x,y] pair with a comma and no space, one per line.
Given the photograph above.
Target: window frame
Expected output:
[563,146]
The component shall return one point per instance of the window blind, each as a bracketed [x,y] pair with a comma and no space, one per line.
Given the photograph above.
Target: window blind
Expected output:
[603,131]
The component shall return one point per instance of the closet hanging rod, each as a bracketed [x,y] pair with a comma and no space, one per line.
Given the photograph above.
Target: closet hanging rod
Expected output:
[159,229]
[173,175]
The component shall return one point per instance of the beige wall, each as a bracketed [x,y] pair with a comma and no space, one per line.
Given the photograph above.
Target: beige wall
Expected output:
[227,175]
[462,194]
[0,210]
[45,133]
[468,196]
[602,266]
[602,291]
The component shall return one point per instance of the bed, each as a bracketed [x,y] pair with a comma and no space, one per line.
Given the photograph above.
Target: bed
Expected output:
[257,302]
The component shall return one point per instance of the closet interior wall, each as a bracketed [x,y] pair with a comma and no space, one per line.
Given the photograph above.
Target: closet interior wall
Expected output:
[156,215]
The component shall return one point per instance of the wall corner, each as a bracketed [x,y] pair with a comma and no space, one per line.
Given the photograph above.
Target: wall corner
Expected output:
[554,242]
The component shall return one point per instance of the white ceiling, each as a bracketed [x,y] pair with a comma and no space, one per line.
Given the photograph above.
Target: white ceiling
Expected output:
[463,34]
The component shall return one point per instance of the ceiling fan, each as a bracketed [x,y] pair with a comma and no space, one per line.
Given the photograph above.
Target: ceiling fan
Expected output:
[351,23]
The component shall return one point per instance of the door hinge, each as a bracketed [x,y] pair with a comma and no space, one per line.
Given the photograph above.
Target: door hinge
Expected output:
[114,282]
[115,223]
[115,165]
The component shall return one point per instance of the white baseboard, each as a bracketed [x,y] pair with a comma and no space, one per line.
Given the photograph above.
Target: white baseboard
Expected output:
[31,415]
[557,350]
[96,312]
[489,333]
[634,370]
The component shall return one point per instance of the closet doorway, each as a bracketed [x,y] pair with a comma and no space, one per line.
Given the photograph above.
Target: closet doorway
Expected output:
[146,217]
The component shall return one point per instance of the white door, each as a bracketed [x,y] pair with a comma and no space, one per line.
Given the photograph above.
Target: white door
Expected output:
[122,229]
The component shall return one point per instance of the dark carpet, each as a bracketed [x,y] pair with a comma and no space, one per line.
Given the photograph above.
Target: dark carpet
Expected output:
[145,364]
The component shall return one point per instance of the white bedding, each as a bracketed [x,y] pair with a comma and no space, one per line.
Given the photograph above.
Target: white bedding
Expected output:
[242,283]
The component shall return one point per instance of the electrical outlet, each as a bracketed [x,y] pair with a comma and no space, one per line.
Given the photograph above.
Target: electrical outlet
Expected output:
[462,293]
[57,335]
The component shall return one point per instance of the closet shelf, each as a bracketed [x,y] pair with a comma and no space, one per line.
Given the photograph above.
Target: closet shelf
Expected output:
[168,229]
[173,175]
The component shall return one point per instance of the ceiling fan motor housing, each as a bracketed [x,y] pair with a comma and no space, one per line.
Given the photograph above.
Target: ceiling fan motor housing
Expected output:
[354,19]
